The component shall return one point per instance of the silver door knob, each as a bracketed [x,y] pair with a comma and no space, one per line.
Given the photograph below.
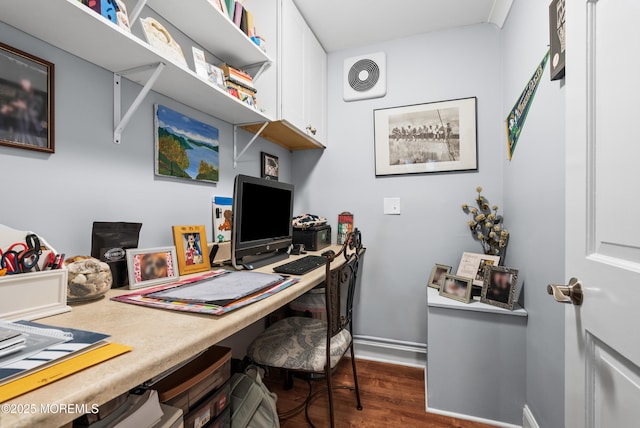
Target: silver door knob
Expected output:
[571,293]
[311,129]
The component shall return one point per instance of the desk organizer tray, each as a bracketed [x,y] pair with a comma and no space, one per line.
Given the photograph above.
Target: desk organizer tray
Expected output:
[33,295]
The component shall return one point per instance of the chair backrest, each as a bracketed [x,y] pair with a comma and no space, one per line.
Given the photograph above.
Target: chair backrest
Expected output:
[337,279]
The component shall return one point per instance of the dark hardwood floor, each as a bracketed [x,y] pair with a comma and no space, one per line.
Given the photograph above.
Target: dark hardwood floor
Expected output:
[392,396]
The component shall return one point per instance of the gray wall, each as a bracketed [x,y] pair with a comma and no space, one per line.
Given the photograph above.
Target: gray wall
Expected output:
[90,178]
[534,203]
[402,249]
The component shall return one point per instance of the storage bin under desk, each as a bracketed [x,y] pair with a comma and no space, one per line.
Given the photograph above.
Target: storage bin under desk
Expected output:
[476,363]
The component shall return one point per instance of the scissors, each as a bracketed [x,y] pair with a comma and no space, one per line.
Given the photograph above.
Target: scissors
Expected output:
[25,259]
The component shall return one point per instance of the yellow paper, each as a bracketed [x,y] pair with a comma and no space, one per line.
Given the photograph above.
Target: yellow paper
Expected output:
[61,370]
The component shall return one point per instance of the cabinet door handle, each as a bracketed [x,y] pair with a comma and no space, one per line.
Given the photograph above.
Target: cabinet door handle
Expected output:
[311,129]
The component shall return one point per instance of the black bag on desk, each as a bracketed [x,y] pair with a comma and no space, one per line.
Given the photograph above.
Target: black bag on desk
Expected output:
[109,242]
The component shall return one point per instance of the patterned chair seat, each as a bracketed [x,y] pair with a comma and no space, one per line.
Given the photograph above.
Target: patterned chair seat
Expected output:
[298,343]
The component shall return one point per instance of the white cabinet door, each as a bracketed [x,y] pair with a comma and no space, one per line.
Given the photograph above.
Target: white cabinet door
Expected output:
[316,88]
[602,343]
[294,31]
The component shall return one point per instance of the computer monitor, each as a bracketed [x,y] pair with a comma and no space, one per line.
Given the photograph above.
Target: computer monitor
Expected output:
[261,227]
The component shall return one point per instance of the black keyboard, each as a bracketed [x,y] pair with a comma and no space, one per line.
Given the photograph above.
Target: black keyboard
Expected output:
[302,265]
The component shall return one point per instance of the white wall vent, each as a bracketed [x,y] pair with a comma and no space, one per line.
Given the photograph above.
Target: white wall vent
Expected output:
[365,77]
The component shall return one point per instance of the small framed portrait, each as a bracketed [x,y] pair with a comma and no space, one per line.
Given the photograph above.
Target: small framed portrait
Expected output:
[191,248]
[437,275]
[270,166]
[151,266]
[472,265]
[499,288]
[26,101]
[456,287]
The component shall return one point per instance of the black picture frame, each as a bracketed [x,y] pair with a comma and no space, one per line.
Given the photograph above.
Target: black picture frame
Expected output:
[269,166]
[26,101]
[433,137]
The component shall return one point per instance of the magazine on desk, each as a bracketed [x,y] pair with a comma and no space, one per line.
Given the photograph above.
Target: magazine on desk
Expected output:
[153,297]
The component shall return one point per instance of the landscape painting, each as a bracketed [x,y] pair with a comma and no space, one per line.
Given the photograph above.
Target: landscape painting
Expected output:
[185,148]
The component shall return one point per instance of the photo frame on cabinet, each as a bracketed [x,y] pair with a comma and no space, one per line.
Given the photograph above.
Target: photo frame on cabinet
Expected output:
[437,275]
[191,248]
[26,101]
[472,265]
[270,166]
[456,287]
[426,138]
[499,287]
[151,266]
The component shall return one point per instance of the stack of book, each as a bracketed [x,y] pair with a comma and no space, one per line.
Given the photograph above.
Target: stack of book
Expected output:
[240,84]
[238,14]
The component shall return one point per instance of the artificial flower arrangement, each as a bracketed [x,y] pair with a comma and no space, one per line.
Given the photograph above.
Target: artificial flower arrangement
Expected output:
[486,226]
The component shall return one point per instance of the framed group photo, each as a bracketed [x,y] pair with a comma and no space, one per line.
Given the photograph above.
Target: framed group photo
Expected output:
[191,249]
[456,287]
[423,138]
[151,266]
[26,101]
[499,288]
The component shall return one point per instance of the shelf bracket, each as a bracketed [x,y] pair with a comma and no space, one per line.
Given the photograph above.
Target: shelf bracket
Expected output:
[137,9]
[120,122]
[237,156]
[264,67]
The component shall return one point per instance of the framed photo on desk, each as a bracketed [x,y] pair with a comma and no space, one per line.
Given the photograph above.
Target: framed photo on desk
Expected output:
[191,247]
[151,266]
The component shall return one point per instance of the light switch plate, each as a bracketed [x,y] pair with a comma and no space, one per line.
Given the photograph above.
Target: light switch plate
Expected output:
[392,206]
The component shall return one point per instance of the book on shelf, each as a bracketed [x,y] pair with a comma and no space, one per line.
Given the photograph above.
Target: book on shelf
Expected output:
[243,21]
[237,13]
[242,94]
[251,31]
[230,5]
[238,77]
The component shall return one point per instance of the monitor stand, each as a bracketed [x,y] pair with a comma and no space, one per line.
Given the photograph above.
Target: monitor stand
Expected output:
[260,260]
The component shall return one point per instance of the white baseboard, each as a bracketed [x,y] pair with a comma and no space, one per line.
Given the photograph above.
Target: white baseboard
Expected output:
[472,418]
[391,351]
[528,421]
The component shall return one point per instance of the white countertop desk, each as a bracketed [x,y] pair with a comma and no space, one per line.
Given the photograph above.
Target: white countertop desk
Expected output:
[160,339]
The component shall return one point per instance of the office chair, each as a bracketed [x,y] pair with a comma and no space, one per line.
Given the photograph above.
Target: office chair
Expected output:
[305,345]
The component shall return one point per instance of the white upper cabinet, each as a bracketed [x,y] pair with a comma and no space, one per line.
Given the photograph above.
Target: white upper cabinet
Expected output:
[299,76]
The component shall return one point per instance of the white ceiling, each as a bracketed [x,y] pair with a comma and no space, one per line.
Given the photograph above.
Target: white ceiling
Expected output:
[342,24]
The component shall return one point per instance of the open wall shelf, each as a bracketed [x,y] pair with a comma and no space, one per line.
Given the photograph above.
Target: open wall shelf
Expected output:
[75,28]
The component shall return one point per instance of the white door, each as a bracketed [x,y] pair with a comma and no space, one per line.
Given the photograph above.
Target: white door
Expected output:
[602,336]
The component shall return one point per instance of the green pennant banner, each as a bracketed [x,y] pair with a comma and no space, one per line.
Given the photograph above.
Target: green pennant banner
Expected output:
[518,114]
